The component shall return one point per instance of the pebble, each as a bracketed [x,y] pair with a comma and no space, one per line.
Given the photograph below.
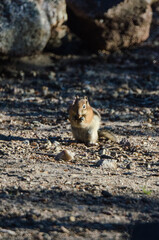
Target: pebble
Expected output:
[115,94]
[65,230]
[106,194]
[72,219]
[34,73]
[150,120]
[130,165]
[90,73]
[138,90]
[112,111]
[56,143]
[148,165]
[45,90]
[65,155]
[40,236]
[102,151]
[149,125]
[148,111]
[34,144]
[57,149]
[107,164]
[47,145]
[36,123]
[52,76]
[26,142]
[114,154]
[10,232]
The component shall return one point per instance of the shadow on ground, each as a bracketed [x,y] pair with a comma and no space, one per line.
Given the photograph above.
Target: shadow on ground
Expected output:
[56,199]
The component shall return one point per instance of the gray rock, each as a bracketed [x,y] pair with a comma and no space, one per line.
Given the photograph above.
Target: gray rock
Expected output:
[110,25]
[56,14]
[106,194]
[131,165]
[65,155]
[102,151]
[65,230]
[26,26]
[10,232]
[107,164]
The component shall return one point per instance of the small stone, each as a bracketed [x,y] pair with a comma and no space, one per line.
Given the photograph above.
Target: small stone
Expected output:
[115,94]
[26,142]
[107,164]
[149,125]
[150,120]
[102,151]
[90,73]
[34,144]
[57,149]
[47,145]
[130,166]
[106,194]
[148,165]
[52,76]
[31,91]
[45,90]
[40,236]
[72,219]
[10,232]
[65,155]
[141,113]
[149,138]
[65,230]
[56,143]
[36,123]
[148,111]
[34,73]
[112,111]
[138,90]
[114,154]
[27,179]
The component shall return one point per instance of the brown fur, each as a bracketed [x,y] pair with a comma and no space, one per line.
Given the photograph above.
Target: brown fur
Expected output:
[85,121]
[76,112]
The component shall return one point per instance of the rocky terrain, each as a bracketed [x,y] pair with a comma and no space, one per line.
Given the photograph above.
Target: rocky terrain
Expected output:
[107,191]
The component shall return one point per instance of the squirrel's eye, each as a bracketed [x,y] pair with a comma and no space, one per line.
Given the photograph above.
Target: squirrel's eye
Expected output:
[84,106]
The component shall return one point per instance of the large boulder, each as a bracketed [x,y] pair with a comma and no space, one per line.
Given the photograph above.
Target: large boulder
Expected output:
[110,25]
[56,15]
[26,26]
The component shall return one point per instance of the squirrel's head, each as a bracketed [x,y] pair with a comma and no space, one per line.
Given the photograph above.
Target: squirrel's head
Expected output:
[80,108]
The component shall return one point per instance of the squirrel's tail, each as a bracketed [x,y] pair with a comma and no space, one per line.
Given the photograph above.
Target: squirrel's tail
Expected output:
[104,133]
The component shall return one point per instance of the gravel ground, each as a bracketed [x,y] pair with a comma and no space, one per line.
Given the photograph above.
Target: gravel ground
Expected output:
[107,191]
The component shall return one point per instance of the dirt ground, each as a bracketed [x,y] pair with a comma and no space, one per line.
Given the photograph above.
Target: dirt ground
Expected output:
[44,198]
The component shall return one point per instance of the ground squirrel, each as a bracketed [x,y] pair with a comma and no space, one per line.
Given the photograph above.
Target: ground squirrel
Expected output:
[85,122]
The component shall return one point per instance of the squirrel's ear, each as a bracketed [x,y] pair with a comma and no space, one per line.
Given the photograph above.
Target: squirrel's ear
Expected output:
[76,98]
[86,98]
